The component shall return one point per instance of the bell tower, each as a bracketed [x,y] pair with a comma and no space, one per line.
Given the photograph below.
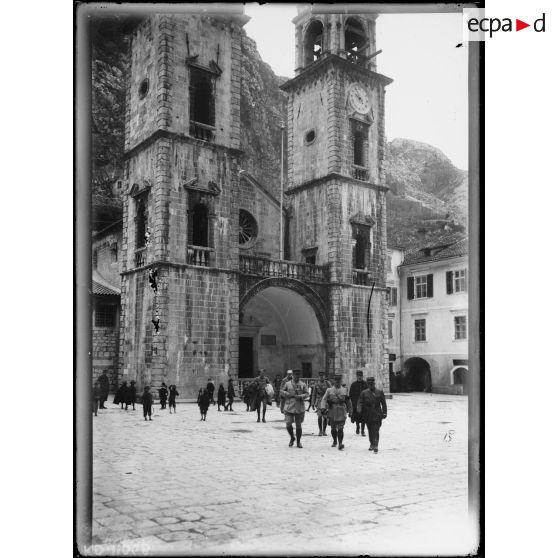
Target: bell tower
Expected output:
[336,178]
[180,210]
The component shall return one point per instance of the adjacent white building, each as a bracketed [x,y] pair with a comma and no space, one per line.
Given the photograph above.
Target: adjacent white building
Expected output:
[433,305]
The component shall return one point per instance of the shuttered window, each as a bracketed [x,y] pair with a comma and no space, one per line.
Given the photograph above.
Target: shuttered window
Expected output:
[424,286]
[456,281]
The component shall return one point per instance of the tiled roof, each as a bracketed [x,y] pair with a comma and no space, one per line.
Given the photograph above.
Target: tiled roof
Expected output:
[101,286]
[452,246]
[99,289]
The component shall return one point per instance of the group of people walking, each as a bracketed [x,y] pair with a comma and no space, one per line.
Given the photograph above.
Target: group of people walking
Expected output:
[363,403]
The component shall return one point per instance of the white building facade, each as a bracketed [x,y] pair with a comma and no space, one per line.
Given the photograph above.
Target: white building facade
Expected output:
[434,317]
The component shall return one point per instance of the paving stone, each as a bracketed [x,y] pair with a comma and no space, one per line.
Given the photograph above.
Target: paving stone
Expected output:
[235,493]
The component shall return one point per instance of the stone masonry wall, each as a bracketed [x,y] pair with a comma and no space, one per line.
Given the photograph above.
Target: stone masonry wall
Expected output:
[350,341]
[105,348]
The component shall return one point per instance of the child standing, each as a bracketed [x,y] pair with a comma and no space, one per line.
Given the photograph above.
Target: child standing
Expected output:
[172,398]
[147,401]
[163,393]
[203,402]
[221,397]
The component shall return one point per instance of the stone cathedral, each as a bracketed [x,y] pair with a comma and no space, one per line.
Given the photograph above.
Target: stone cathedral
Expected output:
[205,291]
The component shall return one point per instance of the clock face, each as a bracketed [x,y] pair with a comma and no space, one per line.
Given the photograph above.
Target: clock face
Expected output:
[358,97]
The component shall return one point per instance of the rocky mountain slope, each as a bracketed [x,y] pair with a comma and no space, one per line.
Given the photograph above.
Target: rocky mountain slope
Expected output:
[428,194]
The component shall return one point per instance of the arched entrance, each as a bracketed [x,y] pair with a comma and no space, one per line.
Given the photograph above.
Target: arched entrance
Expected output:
[417,375]
[459,377]
[280,328]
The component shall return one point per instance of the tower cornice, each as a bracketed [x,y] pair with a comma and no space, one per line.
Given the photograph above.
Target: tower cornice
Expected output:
[338,177]
[332,60]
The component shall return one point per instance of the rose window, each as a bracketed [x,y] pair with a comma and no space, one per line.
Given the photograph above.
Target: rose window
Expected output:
[247,228]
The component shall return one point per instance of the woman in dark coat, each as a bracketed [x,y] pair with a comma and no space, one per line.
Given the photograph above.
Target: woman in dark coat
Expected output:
[203,402]
[121,395]
[221,397]
[230,394]
[131,395]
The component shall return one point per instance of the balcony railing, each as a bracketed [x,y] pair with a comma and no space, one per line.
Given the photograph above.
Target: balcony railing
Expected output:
[362,277]
[360,173]
[140,257]
[254,265]
[202,131]
[199,255]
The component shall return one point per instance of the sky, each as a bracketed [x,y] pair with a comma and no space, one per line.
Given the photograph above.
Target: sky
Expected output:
[428,100]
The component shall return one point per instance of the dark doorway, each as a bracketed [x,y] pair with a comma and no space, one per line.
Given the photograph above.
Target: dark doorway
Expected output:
[245,357]
[417,375]
[306,369]
[460,378]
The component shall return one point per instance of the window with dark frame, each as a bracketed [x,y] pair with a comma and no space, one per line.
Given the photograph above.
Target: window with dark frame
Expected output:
[141,222]
[105,315]
[202,96]
[421,286]
[390,329]
[460,323]
[200,226]
[393,296]
[460,279]
[359,135]
[420,330]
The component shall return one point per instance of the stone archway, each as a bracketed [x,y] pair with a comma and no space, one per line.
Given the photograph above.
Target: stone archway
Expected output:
[459,377]
[418,376]
[282,325]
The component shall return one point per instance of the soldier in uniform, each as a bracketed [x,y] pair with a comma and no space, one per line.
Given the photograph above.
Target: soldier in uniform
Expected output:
[259,396]
[317,395]
[295,393]
[372,408]
[338,403]
[357,388]
[287,378]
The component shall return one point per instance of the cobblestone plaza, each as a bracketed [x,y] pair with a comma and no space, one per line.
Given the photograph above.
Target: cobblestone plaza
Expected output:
[233,486]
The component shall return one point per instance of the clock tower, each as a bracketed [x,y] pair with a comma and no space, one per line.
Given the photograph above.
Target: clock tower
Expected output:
[336,180]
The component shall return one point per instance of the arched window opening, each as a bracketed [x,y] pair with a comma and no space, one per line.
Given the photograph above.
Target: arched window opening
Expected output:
[358,148]
[200,225]
[359,252]
[141,223]
[313,42]
[202,100]
[356,42]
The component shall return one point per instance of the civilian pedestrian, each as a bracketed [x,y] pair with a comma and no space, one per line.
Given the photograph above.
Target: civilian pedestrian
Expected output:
[203,402]
[221,397]
[173,394]
[147,402]
[357,388]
